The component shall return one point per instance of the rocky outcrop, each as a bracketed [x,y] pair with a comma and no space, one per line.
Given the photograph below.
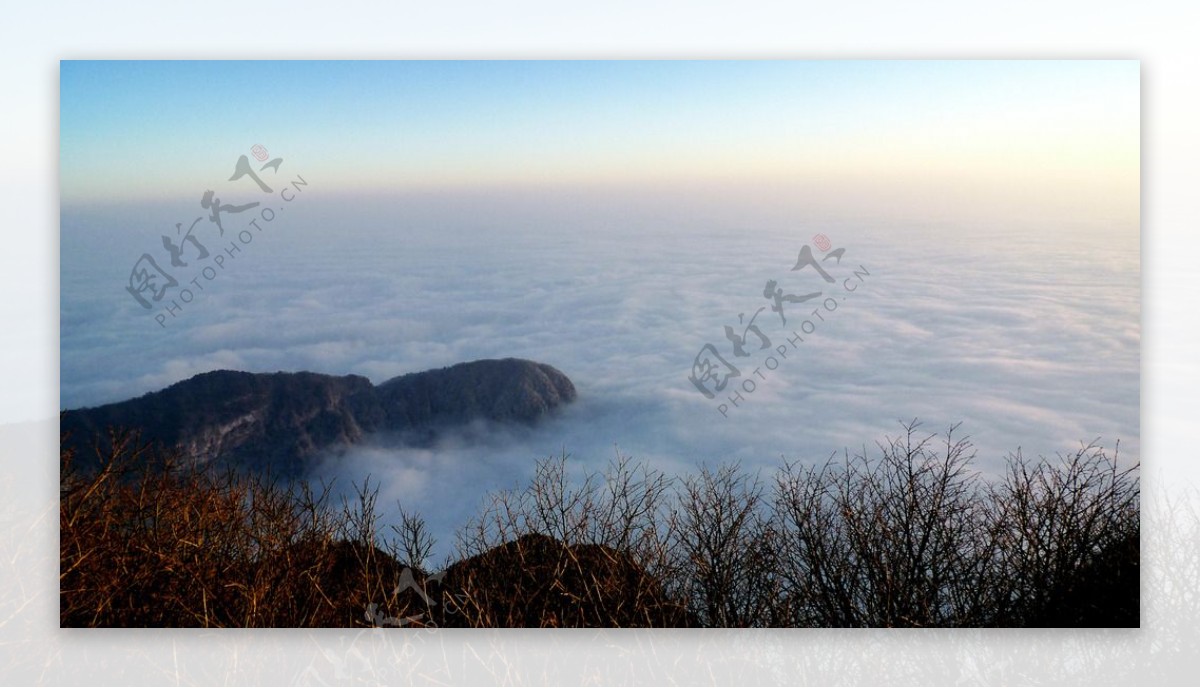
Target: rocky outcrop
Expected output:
[538,581]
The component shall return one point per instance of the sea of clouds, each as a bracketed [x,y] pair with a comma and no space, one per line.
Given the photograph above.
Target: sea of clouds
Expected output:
[1024,330]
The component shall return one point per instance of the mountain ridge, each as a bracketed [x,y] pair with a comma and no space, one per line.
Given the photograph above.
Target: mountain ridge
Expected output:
[277,421]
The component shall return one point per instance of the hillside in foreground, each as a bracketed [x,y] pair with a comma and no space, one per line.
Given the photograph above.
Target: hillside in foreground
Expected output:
[912,536]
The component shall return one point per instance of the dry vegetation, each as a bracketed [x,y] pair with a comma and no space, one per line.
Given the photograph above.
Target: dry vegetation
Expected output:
[910,536]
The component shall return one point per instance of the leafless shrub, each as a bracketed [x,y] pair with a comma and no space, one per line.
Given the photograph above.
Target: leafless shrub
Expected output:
[1066,541]
[414,541]
[911,536]
[894,541]
[726,547]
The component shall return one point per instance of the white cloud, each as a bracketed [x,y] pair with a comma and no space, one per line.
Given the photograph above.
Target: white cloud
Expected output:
[1028,335]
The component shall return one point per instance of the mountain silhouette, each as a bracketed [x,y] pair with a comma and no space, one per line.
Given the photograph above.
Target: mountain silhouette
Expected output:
[277,421]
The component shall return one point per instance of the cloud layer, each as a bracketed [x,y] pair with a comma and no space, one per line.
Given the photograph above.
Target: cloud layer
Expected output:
[1027,332]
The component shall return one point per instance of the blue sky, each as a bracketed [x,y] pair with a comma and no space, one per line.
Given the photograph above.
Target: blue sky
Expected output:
[154,130]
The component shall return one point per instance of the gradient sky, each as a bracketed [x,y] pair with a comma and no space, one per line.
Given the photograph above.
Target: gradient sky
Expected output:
[157,130]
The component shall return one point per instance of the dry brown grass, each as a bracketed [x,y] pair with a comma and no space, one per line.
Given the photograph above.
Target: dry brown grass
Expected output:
[911,537]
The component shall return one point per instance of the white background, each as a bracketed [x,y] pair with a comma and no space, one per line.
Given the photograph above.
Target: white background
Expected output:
[33,38]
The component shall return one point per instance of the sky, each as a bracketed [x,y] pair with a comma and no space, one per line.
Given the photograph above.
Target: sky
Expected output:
[138,130]
[611,219]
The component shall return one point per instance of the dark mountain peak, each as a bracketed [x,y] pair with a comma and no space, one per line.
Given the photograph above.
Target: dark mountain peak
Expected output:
[278,420]
[537,580]
[223,378]
[508,389]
